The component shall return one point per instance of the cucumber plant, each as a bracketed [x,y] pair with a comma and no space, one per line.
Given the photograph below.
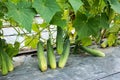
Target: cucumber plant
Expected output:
[84,21]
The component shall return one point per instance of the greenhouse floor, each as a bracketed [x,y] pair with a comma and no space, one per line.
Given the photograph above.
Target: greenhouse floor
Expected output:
[77,68]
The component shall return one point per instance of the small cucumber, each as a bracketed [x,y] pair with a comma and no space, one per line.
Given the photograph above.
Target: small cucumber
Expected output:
[93,51]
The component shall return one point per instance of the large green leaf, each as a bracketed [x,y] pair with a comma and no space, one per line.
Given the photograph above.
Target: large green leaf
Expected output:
[86,26]
[76,4]
[46,8]
[22,13]
[115,5]
[57,20]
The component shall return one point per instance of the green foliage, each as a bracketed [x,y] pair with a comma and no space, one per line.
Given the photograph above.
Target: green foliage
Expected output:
[114,29]
[86,41]
[46,8]
[76,4]
[0,24]
[111,39]
[83,21]
[35,27]
[12,50]
[88,17]
[31,41]
[22,13]
[57,20]
[85,26]
[104,21]
[115,5]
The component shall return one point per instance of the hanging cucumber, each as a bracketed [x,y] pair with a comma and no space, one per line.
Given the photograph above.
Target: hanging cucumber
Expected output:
[59,40]
[10,65]
[65,54]
[93,51]
[50,55]
[4,68]
[42,62]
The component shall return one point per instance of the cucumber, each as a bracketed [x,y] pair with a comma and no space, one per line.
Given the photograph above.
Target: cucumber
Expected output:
[10,65]
[42,62]
[59,40]
[4,68]
[65,54]
[93,52]
[50,55]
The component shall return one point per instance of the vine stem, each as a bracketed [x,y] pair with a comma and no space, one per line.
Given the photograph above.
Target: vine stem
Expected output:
[38,33]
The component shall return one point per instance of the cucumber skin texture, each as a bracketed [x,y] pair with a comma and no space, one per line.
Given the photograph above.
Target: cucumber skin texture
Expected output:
[93,51]
[42,62]
[59,40]
[65,54]
[4,68]
[10,65]
[51,55]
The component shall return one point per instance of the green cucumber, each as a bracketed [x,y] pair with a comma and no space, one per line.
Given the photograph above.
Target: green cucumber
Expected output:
[42,62]
[10,65]
[93,52]
[4,68]
[51,55]
[65,54]
[59,40]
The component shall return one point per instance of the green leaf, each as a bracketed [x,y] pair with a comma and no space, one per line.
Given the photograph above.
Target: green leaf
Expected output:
[0,24]
[10,50]
[46,8]
[62,3]
[1,15]
[114,29]
[35,27]
[115,4]
[117,19]
[86,41]
[15,1]
[104,21]
[76,4]
[85,26]
[111,39]
[22,13]
[57,20]
[31,41]
[44,25]
[17,45]
[16,48]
